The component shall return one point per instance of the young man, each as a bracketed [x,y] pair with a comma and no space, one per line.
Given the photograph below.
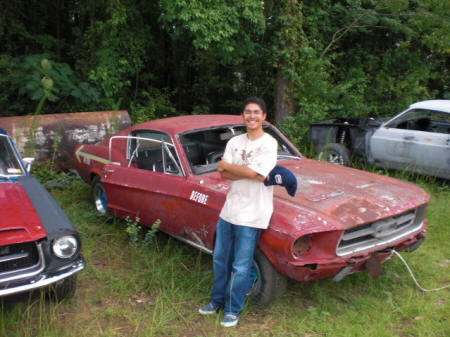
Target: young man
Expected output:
[247,161]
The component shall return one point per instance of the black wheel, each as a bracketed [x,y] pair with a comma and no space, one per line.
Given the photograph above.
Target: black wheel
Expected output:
[335,153]
[63,289]
[266,282]
[99,196]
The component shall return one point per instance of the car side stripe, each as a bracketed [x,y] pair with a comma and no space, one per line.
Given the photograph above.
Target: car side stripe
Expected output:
[78,153]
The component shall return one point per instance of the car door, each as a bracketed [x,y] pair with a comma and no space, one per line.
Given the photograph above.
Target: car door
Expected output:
[412,142]
[205,196]
[149,187]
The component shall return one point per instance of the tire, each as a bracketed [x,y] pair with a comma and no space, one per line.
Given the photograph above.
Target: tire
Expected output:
[335,153]
[266,282]
[99,196]
[65,289]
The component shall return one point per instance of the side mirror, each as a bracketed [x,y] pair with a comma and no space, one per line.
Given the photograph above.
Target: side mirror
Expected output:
[28,163]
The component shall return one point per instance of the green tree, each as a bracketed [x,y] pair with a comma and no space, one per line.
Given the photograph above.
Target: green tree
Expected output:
[308,59]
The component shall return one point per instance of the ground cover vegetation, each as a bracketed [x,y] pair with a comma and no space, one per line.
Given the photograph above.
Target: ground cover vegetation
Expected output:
[141,282]
[309,59]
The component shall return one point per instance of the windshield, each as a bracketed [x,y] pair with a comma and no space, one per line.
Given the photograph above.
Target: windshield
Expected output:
[9,164]
[204,148]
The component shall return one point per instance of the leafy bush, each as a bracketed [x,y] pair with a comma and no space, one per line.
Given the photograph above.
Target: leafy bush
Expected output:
[150,105]
[37,78]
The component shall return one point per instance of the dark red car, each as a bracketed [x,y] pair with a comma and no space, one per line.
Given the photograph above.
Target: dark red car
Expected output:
[39,246]
[341,220]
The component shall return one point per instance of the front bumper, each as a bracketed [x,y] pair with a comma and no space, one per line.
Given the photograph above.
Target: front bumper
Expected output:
[337,268]
[41,280]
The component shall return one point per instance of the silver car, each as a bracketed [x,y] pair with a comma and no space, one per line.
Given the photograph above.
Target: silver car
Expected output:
[416,140]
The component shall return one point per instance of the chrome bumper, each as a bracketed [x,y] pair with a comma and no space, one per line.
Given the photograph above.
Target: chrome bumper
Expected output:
[42,280]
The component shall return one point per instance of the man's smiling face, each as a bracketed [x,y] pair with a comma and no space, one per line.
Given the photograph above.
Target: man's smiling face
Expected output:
[253,116]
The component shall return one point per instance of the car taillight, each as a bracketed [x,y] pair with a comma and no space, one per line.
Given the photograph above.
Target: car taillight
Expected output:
[301,246]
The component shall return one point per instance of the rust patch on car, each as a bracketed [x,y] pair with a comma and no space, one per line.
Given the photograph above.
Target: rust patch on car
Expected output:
[374,266]
[357,211]
[54,136]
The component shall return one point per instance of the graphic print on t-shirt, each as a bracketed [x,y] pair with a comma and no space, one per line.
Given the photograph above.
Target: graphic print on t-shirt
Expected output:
[245,156]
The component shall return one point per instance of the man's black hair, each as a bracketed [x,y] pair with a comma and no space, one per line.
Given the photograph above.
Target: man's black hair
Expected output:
[255,100]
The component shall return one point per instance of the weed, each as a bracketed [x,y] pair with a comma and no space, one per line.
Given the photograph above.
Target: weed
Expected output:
[150,235]
[133,230]
[48,177]
[30,145]
[55,145]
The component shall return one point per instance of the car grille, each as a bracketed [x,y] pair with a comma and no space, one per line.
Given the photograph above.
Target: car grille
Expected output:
[380,233]
[20,261]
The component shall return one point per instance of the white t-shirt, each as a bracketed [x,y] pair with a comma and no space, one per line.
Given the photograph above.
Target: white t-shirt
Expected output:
[249,202]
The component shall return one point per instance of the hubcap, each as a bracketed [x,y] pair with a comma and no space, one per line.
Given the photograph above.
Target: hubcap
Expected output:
[332,158]
[100,199]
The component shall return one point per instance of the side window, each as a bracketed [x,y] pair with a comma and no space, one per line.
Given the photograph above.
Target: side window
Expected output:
[439,122]
[204,148]
[423,120]
[284,151]
[153,151]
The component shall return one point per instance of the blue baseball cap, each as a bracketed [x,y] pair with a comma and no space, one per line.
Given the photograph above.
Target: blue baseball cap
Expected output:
[283,177]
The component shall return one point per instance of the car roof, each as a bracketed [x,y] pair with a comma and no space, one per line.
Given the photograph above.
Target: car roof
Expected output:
[436,104]
[182,124]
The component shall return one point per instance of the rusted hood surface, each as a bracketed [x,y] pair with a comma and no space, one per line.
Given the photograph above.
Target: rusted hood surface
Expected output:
[343,197]
[333,197]
[18,219]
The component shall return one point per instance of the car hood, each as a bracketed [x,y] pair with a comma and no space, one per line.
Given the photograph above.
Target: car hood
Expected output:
[333,197]
[19,221]
[341,198]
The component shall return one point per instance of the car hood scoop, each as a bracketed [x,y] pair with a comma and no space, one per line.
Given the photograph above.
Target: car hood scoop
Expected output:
[351,196]
[18,219]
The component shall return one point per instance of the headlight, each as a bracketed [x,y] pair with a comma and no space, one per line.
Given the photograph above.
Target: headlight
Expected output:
[301,246]
[65,247]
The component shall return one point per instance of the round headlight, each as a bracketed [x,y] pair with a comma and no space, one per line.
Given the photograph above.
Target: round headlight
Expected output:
[65,247]
[301,246]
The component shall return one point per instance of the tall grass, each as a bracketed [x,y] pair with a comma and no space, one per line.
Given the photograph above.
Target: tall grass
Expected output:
[132,290]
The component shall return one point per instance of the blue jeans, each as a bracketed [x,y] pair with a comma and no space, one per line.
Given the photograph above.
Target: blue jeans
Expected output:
[232,262]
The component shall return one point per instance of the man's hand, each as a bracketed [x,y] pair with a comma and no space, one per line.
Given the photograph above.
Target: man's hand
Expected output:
[221,165]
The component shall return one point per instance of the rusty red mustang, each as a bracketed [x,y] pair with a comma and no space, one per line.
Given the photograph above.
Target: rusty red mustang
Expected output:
[341,220]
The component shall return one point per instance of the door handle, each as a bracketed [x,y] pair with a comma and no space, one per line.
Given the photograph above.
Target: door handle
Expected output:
[408,137]
[104,170]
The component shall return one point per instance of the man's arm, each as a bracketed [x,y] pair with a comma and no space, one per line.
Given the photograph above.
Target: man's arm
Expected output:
[236,172]
[228,175]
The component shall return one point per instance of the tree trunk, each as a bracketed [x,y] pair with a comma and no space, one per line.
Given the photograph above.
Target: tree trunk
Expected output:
[284,102]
